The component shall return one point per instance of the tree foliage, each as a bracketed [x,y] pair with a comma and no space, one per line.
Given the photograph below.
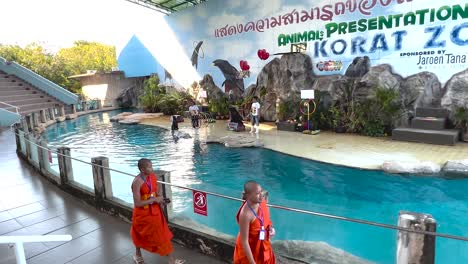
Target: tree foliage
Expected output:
[156,99]
[66,62]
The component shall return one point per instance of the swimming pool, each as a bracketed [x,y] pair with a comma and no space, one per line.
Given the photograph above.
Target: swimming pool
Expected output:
[291,181]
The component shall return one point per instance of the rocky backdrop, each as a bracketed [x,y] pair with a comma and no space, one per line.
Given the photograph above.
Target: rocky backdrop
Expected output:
[283,78]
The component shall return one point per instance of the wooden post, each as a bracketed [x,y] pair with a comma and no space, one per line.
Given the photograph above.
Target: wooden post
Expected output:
[42,114]
[166,190]
[24,124]
[413,248]
[73,109]
[44,164]
[102,179]
[35,120]
[84,106]
[52,113]
[29,119]
[27,136]
[18,141]
[65,165]
[62,110]
[99,104]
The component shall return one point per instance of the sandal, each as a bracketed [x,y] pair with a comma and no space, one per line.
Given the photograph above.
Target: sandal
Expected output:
[138,260]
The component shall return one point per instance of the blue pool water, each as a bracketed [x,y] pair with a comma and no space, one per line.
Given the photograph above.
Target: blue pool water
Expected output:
[291,181]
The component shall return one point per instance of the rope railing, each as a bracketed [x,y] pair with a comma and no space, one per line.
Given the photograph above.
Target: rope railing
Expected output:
[280,207]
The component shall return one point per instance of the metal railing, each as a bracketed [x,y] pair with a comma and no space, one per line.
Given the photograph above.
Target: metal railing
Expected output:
[280,207]
[18,242]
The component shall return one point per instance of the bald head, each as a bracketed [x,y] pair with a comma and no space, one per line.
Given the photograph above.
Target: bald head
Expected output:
[143,162]
[145,166]
[249,186]
[252,192]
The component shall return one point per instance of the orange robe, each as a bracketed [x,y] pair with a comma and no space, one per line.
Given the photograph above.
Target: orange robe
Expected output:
[261,249]
[149,227]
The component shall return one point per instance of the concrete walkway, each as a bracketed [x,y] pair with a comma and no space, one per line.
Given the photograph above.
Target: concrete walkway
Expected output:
[30,205]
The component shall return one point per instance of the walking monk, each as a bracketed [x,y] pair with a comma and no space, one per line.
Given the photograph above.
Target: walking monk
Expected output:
[149,229]
[253,244]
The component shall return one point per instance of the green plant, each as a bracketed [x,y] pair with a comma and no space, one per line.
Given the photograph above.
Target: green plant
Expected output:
[149,99]
[374,129]
[321,119]
[288,110]
[337,117]
[461,118]
[155,98]
[376,116]
[219,106]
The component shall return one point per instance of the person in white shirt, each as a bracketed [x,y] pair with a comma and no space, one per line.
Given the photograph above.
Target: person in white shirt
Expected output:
[194,111]
[255,115]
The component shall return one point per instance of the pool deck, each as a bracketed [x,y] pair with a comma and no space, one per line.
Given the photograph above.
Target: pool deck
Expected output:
[31,205]
[341,149]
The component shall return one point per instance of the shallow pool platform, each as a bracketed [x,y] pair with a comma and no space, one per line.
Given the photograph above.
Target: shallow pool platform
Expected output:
[340,149]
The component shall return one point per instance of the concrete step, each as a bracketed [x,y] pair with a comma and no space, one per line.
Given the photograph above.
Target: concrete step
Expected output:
[429,123]
[17,88]
[19,92]
[26,109]
[10,79]
[23,96]
[30,100]
[432,112]
[438,137]
[13,86]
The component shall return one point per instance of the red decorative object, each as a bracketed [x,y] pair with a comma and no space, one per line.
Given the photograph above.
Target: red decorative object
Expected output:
[244,65]
[263,54]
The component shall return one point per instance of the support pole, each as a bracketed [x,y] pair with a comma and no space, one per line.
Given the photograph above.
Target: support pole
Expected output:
[415,248]
[65,165]
[19,252]
[102,179]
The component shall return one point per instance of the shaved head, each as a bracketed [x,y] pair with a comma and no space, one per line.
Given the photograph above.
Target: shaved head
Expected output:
[252,192]
[249,186]
[143,162]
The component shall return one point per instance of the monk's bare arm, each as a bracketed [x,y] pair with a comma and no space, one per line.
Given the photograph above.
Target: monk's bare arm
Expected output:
[137,202]
[244,222]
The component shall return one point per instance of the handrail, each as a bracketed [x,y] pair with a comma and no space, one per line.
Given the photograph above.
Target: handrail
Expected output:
[20,240]
[336,217]
[34,239]
[38,81]
[16,107]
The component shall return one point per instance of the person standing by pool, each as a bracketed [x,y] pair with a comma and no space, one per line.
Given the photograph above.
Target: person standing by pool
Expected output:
[253,244]
[149,228]
[194,114]
[255,115]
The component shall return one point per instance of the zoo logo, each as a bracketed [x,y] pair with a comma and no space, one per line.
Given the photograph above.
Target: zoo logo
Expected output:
[330,65]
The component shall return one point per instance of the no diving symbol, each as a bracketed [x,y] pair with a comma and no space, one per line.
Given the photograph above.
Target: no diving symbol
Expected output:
[200,203]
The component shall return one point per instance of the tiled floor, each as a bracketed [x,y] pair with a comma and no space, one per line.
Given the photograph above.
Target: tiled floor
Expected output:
[30,205]
[343,149]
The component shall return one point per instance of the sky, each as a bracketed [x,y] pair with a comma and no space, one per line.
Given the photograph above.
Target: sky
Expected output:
[58,23]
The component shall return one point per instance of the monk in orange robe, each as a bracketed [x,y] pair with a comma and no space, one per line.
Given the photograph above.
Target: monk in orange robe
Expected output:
[253,244]
[149,229]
